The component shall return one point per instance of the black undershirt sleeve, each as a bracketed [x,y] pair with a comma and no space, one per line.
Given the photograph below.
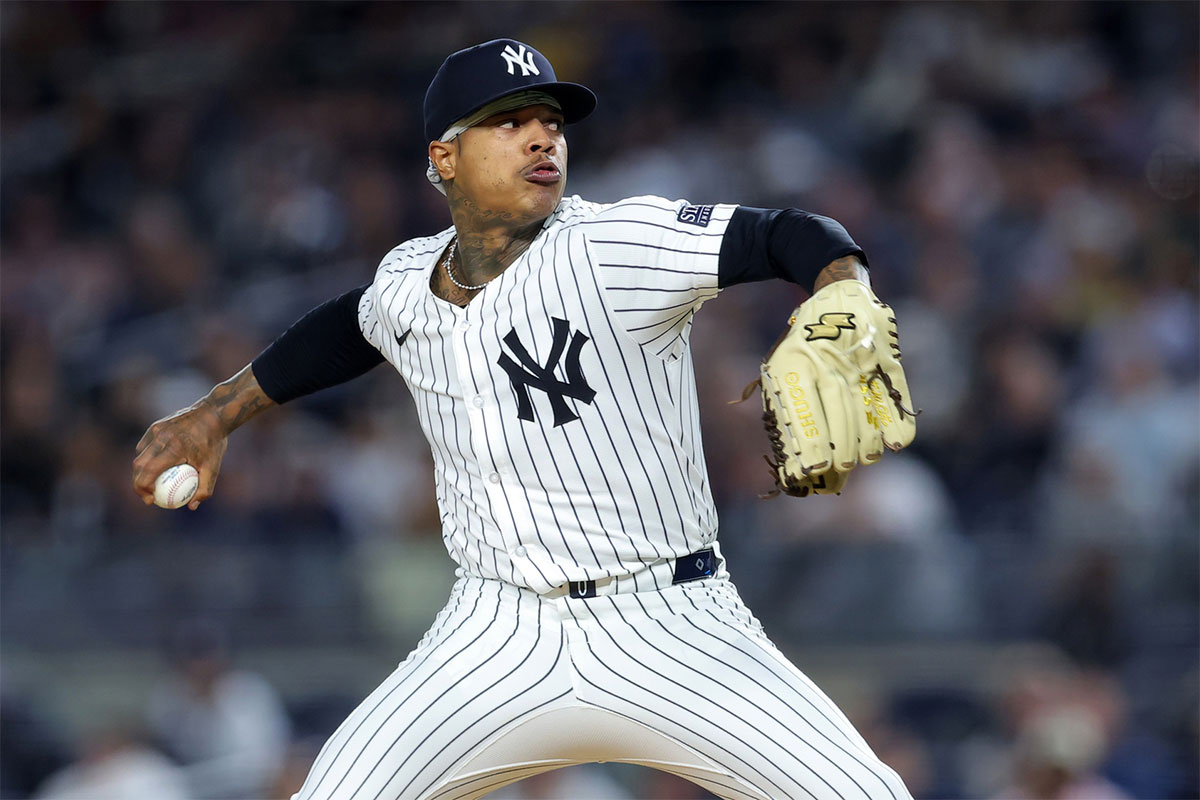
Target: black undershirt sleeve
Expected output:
[791,244]
[323,348]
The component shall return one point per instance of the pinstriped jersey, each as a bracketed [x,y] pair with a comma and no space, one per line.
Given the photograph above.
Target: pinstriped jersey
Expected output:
[560,404]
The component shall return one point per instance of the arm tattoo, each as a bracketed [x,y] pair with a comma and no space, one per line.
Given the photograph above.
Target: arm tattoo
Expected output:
[847,268]
[237,400]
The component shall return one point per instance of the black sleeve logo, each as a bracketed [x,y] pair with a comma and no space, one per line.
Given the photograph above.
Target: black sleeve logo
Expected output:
[695,215]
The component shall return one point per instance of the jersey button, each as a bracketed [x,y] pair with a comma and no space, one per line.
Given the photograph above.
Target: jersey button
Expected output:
[494,477]
[477,400]
[521,551]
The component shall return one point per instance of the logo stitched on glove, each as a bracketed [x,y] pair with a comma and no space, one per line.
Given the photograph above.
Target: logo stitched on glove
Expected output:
[829,324]
[874,398]
[802,409]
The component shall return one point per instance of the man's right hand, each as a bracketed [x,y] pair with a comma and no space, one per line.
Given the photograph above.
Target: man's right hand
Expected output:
[193,435]
[198,435]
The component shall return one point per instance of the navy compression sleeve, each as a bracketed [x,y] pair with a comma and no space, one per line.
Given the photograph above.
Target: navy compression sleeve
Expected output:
[323,348]
[791,244]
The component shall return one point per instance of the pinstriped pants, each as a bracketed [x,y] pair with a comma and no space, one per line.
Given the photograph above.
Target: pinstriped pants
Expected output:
[508,683]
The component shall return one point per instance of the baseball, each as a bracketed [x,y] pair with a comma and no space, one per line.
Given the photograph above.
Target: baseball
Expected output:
[175,486]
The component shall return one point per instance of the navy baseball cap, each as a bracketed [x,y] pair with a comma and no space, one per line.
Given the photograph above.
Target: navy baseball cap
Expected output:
[471,78]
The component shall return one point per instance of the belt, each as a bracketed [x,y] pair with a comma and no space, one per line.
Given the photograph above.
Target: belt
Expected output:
[692,567]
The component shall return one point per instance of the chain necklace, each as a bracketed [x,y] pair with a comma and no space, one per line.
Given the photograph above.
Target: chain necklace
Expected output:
[449,260]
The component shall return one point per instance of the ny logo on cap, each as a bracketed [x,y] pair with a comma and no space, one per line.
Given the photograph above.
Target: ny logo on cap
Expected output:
[519,58]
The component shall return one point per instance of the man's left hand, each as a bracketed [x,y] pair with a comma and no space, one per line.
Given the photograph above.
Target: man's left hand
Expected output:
[834,393]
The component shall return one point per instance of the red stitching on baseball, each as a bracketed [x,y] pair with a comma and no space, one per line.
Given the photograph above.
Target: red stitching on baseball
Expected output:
[175,485]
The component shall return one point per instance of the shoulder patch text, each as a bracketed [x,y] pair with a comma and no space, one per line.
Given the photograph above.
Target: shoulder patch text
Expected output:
[695,215]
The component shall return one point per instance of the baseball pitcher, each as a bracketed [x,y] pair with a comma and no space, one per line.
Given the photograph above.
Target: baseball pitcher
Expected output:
[545,340]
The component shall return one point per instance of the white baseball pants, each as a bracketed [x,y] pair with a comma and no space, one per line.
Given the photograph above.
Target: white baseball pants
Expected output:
[508,683]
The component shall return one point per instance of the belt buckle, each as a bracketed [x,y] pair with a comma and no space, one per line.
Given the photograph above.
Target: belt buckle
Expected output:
[582,590]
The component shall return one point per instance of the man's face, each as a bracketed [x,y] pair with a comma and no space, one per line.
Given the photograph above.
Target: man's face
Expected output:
[512,164]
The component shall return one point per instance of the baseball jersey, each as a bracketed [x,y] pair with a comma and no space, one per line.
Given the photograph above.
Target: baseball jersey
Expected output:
[560,403]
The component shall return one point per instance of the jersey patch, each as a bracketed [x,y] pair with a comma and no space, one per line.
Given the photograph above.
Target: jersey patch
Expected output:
[695,215]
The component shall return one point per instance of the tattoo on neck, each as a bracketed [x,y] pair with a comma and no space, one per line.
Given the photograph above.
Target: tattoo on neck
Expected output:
[488,241]
[441,285]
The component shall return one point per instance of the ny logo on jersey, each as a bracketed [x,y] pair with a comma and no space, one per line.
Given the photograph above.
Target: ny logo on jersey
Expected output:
[830,326]
[519,58]
[530,373]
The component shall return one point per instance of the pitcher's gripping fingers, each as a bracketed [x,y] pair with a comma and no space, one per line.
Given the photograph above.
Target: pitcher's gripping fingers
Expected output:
[193,435]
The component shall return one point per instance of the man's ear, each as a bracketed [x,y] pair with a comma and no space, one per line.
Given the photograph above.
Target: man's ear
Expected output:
[444,156]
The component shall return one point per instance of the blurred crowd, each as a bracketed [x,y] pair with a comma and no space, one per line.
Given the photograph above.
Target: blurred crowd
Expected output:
[180,181]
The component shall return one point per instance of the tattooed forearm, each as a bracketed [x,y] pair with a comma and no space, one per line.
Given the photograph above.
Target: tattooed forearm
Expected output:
[848,268]
[237,400]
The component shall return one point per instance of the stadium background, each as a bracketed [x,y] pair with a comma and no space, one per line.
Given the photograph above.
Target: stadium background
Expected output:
[1013,601]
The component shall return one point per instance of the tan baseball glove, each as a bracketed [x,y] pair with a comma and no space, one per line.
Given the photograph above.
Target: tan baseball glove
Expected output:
[834,394]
